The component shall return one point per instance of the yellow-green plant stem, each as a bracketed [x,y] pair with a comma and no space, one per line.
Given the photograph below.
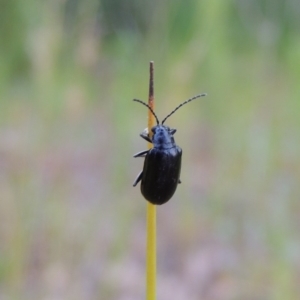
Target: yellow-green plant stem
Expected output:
[151,252]
[151,213]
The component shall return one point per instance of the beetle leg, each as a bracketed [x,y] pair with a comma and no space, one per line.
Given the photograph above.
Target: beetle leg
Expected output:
[179,181]
[172,131]
[145,135]
[138,179]
[141,154]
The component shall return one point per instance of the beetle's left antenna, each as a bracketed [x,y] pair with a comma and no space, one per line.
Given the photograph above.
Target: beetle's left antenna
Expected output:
[140,101]
[185,102]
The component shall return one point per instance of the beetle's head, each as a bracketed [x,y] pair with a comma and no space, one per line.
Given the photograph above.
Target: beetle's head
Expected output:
[160,128]
[163,136]
[157,128]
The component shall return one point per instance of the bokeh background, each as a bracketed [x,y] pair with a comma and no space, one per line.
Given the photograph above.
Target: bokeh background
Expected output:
[71,224]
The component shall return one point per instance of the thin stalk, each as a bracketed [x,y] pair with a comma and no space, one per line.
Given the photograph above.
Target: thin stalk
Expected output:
[151,211]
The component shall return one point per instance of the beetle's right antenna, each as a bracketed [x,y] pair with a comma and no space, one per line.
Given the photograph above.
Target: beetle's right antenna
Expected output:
[140,101]
[185,102]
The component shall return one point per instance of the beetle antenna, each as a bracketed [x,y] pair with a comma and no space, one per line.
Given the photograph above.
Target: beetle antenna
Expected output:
[153,113]
[183,103]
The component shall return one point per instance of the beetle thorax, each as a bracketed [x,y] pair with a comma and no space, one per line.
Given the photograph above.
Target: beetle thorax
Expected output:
[162,137]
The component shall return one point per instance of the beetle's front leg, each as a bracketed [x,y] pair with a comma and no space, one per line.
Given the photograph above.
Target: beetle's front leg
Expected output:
[173,130]
[145,135]
[141,153]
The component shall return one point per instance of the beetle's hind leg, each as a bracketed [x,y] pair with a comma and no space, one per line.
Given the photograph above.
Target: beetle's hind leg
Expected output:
[138,179]
[179,181]
[141,153]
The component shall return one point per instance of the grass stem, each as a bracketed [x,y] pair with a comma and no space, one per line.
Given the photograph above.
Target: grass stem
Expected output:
[151,211]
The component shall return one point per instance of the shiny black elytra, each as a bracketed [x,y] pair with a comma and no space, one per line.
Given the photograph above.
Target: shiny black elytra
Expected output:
[161,172]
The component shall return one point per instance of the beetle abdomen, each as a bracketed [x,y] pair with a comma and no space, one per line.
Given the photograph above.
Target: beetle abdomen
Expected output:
[161,174]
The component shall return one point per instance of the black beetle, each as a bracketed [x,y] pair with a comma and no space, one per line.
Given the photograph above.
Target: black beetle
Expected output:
[161,172]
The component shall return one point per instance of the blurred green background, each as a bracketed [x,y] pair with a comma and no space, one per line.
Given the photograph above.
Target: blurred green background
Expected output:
[71,224]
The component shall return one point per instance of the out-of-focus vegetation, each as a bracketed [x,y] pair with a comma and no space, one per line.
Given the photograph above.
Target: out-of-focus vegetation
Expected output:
[71,225]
